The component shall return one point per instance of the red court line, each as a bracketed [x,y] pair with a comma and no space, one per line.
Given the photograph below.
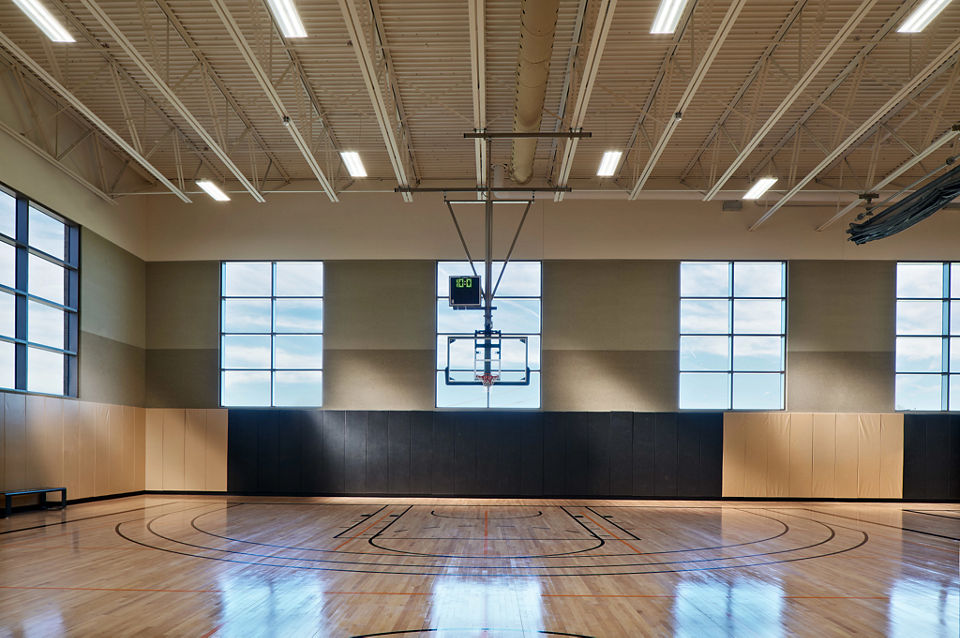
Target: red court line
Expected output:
[211,632]
[612,534]
[484,532]
[360,533]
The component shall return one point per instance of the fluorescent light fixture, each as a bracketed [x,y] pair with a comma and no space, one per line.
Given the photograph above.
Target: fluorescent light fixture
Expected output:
[922,16]
[354,165]
[761,186]
[287,18]
[45,20]
[609,163]
[668,15]
[213,190]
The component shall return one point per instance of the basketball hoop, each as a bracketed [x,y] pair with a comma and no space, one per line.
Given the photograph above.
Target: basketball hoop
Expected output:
[487,379]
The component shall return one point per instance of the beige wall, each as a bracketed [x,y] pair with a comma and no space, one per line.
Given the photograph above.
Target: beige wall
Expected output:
[93,449]
[812,455]
[186,450]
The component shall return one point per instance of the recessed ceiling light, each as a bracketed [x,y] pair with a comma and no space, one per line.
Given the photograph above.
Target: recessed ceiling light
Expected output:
[213,190]
[287,18]
[608,165]
[44,20]
[354,165]
[922,16]
[668,15]
[761,186]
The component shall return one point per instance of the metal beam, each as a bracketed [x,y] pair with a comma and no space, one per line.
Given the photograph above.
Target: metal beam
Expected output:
[92,117]
[946,55]
[794,94]
[726,25]
[588,76]
[273,97]
[169,94]
[478,84]
[369,73]
[900,170]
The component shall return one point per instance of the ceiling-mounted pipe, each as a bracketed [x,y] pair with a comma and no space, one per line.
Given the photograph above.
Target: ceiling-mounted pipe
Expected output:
[537,26]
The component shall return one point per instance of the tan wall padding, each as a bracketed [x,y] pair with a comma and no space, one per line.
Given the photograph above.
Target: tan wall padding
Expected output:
[92,449]
[186,450]
[812,455]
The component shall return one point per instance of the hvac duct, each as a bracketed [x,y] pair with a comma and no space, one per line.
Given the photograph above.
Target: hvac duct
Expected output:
[538,23]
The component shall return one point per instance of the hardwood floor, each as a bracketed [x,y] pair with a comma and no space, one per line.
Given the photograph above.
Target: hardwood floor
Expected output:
[245,566]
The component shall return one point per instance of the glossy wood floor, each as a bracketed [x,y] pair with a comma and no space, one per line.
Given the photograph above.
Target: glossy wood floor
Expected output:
[235,566]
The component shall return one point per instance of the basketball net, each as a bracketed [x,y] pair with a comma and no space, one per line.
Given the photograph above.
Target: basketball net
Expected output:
[487,379]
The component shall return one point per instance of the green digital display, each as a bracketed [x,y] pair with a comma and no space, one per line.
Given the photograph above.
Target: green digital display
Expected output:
[465,292]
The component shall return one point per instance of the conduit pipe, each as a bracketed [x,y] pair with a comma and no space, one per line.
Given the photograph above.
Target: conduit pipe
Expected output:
[537,26]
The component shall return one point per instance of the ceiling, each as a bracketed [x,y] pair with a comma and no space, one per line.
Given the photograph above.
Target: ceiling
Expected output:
[394,80]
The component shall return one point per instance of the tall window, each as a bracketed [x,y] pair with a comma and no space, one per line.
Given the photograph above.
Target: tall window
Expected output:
[517,314]
[732,335]
[928,336]
[271,333]
[39,297]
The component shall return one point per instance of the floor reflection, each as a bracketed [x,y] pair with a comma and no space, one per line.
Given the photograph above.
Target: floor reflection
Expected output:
[461,607]
[924,608]
[281,606]
[739,608]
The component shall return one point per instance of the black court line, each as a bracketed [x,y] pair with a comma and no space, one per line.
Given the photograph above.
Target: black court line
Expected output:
[931,513]
[88,518]
[470,629]
[860,520]
[364,519]
[475,518]
[612,522]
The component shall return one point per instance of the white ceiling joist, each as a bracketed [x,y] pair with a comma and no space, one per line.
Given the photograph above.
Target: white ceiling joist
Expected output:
[478,84]
[81,108]
[369,72]
[726,25]
[170,95]
[795,92]
[904,92]
[900,170]
[273,97]
[589,75]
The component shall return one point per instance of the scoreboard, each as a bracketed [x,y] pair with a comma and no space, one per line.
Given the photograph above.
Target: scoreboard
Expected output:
[465,292]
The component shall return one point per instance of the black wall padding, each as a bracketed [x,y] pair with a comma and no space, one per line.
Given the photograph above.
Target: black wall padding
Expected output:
[596,454]
[931,456]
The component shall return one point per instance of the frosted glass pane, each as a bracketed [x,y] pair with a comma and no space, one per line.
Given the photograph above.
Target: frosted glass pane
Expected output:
[955,392]
[243,351]
[246,315]
[298,315]
[7,364]
[247,279]
[920,280]
[7,315]
[919,354]
[8,265]
[758,353]
[919,317]
[517,396]
[758,279]
[45,324]
[459,396]
[8,214]
[704,316]
[298,351]
[241,388]
[704,391]
[44,371]
[46,279]
[299,388]
[457,321]
[47,233]
[516,316]
[918,392]
[705,279]
[757,391]
[704,353]
[299,279]
[758,316]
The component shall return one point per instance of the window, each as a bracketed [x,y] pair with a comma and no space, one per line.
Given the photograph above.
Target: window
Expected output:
[517,314]
[732,335]
[39,295]
[271,333]
[928,336]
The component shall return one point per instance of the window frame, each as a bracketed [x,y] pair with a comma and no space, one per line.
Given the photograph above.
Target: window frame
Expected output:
[272,370]
[437,335]
[70,263]
[731,334]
